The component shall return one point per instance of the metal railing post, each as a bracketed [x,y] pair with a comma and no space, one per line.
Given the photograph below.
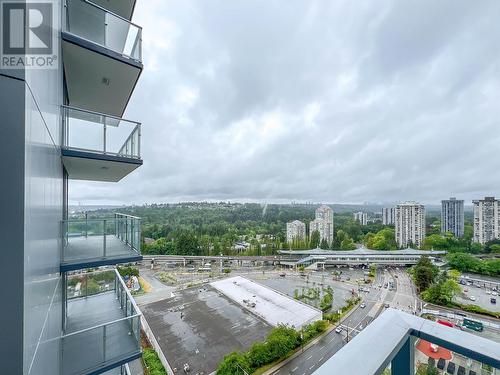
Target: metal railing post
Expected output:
[139,141]
[104,136]
[104,237]
[104,343]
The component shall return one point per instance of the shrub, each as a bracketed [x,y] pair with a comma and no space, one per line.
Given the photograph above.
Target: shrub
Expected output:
[234,363]
[152,362]
[128,271]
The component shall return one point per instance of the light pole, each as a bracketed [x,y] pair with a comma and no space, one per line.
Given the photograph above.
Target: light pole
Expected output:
[244,372]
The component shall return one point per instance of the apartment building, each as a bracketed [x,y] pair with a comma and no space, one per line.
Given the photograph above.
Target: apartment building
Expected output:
[486,220]
[361,217]
[61,112]
[409,224]
[323,223]
[452,216]
[295,231]
[388,215]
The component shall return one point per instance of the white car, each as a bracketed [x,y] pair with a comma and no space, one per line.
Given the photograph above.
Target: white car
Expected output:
[338,329]
[488,292]
[472,298]
[362,305]
[494,293]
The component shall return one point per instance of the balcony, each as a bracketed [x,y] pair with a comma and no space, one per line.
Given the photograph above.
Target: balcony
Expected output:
[102,56]
[123,8]
[98,242]
[99,147]
[101,324]
[398,343]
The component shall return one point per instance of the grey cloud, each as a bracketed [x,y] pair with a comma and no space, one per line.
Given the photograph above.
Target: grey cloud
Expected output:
[314,100]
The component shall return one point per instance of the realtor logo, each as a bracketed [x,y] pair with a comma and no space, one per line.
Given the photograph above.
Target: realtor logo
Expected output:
[27,35]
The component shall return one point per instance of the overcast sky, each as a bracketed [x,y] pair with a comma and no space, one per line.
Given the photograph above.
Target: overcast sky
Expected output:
[332,101]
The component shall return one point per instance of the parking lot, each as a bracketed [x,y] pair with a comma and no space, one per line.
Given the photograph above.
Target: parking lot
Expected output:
[480,293]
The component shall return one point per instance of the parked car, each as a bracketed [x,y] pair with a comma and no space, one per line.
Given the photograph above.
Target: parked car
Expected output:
[494,293]
[386,305]
[362,305]
[493,300]
[338,329]
[466,290]
[472,298]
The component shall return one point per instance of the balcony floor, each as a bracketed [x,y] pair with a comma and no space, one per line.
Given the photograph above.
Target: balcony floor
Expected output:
[84,252]
[84,351]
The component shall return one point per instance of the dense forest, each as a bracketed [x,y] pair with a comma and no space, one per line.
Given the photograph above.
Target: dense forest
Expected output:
[215,228]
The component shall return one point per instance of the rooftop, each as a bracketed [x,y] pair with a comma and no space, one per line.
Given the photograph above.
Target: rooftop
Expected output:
[363,251]
[275,308]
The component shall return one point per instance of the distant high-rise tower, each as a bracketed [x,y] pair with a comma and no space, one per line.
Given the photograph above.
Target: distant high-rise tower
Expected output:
[323,223]
[361,217]
[452,217]
[486,220]
[409,224]
[295,231]
[388,216]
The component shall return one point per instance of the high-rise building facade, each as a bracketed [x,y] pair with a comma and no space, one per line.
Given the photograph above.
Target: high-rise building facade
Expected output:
[409,224]
[486,220]
[62,121]
[361,217]
[452,216]
[295,231]
[388,215]
[323,223]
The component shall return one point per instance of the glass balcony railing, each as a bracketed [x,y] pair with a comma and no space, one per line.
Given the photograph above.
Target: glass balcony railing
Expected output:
[96,24]
[94,242]
[102,322]
[407,345]
[98,133]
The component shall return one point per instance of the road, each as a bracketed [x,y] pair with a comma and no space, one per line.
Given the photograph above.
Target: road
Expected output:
[403,297]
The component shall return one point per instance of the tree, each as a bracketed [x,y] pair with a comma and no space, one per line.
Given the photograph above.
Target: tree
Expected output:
[324,244]
[424,273]
[441,293]
[347,244]
[314,240]
[259,355]
[234,363]
[464,262]
[187,244]
[326,301]
[385,239]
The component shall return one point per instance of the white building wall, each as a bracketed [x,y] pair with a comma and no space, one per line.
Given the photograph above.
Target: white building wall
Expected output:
[486,220]
[388,215]
[410,224]
[295,230]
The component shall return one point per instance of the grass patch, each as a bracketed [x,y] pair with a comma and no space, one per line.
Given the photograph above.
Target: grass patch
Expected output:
[151,363]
